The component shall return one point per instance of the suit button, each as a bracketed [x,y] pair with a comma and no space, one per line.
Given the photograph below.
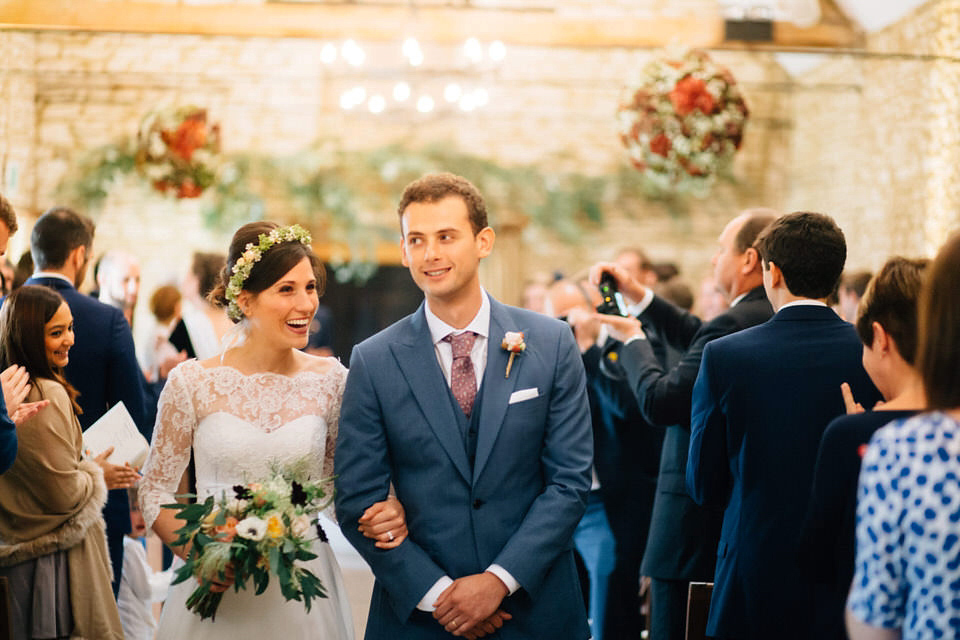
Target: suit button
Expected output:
[477,503]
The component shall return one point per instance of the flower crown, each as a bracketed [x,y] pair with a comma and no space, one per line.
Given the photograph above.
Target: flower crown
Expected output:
[252,254]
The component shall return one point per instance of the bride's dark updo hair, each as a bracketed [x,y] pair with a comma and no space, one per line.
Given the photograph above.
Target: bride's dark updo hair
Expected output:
[273,264]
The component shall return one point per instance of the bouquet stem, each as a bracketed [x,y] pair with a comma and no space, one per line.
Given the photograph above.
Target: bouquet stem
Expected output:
[204,602]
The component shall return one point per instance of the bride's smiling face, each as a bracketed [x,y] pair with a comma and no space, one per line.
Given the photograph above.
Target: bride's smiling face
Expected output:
[282,312]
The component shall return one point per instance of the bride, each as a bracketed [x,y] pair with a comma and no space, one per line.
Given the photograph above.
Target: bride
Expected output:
[260,403]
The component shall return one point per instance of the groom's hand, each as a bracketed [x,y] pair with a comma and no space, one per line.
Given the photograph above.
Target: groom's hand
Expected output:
[489,625]
[468,602]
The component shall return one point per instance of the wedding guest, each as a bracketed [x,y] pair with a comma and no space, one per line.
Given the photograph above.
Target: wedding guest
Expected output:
[636,263]
[682,544]
[159,353]
[677,291]
[104,367]
[851,290]
[203,325]
[118,282]
[887,326]
[534,292]
[907,564]
[762,399]
[23,270]
[612,535]
[710,301]
[53,550]
[665,271]
[140,585]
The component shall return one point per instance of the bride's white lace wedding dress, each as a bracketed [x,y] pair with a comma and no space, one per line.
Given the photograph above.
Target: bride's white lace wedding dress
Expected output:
[239,425]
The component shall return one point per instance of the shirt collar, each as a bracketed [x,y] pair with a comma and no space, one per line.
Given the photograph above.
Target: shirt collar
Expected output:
[479,325]
[51,274]
[805,302]
[740,297]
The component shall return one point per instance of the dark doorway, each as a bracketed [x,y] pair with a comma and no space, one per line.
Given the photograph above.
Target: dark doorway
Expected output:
[359,311]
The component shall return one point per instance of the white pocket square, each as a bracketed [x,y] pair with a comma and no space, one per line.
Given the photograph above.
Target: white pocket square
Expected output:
[523,394]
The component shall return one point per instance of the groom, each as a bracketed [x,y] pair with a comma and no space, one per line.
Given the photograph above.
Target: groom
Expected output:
[491,461]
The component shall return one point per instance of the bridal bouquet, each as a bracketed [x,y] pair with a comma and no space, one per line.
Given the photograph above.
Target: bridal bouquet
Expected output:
[262,529]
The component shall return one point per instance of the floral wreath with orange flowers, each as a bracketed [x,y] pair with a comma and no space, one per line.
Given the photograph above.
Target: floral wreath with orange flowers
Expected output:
[681,122]
[178,150]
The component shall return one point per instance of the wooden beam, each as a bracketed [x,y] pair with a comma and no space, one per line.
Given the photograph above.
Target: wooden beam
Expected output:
[365,22]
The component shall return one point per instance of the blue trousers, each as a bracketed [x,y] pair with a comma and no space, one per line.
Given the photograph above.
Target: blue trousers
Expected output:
[594,541]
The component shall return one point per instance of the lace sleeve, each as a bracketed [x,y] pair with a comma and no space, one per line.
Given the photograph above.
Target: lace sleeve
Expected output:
[172,441]
[332,420]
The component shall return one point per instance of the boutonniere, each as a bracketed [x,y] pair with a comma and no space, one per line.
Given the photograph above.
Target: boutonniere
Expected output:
[512,342]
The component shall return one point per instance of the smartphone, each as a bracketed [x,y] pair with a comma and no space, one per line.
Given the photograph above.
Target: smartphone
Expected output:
[613,303]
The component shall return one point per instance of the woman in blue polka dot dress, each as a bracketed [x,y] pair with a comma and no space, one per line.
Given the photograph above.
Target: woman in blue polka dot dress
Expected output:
[907,580]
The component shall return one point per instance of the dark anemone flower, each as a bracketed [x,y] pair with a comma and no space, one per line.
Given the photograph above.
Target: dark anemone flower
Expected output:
[321,534]
[241,492]
[297,495]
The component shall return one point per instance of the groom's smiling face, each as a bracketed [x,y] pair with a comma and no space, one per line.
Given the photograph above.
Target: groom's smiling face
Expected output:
[440,248]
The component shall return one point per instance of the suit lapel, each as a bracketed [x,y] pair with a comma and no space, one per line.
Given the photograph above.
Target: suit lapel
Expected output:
[418,363]
[496,386]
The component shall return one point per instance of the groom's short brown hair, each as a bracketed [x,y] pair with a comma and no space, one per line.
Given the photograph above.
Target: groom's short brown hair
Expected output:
[436,186]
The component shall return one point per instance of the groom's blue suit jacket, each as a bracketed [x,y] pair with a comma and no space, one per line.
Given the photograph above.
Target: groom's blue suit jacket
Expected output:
[517,506]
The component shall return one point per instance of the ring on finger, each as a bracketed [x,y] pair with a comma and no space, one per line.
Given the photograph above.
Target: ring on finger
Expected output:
[390,536]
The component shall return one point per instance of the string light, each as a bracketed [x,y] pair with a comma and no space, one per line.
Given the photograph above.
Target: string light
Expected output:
[475,57]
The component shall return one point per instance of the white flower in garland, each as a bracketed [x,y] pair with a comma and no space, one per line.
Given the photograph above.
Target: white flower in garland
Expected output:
[251,255]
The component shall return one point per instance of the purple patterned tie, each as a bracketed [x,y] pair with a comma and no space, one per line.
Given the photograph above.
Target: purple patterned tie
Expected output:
[463,379]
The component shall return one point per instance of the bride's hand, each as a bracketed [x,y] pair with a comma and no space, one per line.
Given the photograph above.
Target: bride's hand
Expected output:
[385,522]
[219,585]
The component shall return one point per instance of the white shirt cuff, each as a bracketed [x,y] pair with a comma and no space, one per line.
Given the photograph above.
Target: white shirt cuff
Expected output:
[640,307]
[507,579]
[426,603]
[636,336]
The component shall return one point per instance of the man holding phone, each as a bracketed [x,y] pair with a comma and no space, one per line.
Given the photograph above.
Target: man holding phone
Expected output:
[683,536]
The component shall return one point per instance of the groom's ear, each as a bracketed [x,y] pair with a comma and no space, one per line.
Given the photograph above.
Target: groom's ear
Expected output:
[485,239]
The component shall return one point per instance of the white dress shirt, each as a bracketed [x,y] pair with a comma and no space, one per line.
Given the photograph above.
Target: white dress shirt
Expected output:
[478,355]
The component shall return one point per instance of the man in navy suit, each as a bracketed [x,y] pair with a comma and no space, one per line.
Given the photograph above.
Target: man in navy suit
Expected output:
[103,365]
[760,404]
[490,459]
[682,545]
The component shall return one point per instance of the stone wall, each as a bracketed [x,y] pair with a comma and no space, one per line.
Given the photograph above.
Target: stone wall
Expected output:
[825,141]
[876,139]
